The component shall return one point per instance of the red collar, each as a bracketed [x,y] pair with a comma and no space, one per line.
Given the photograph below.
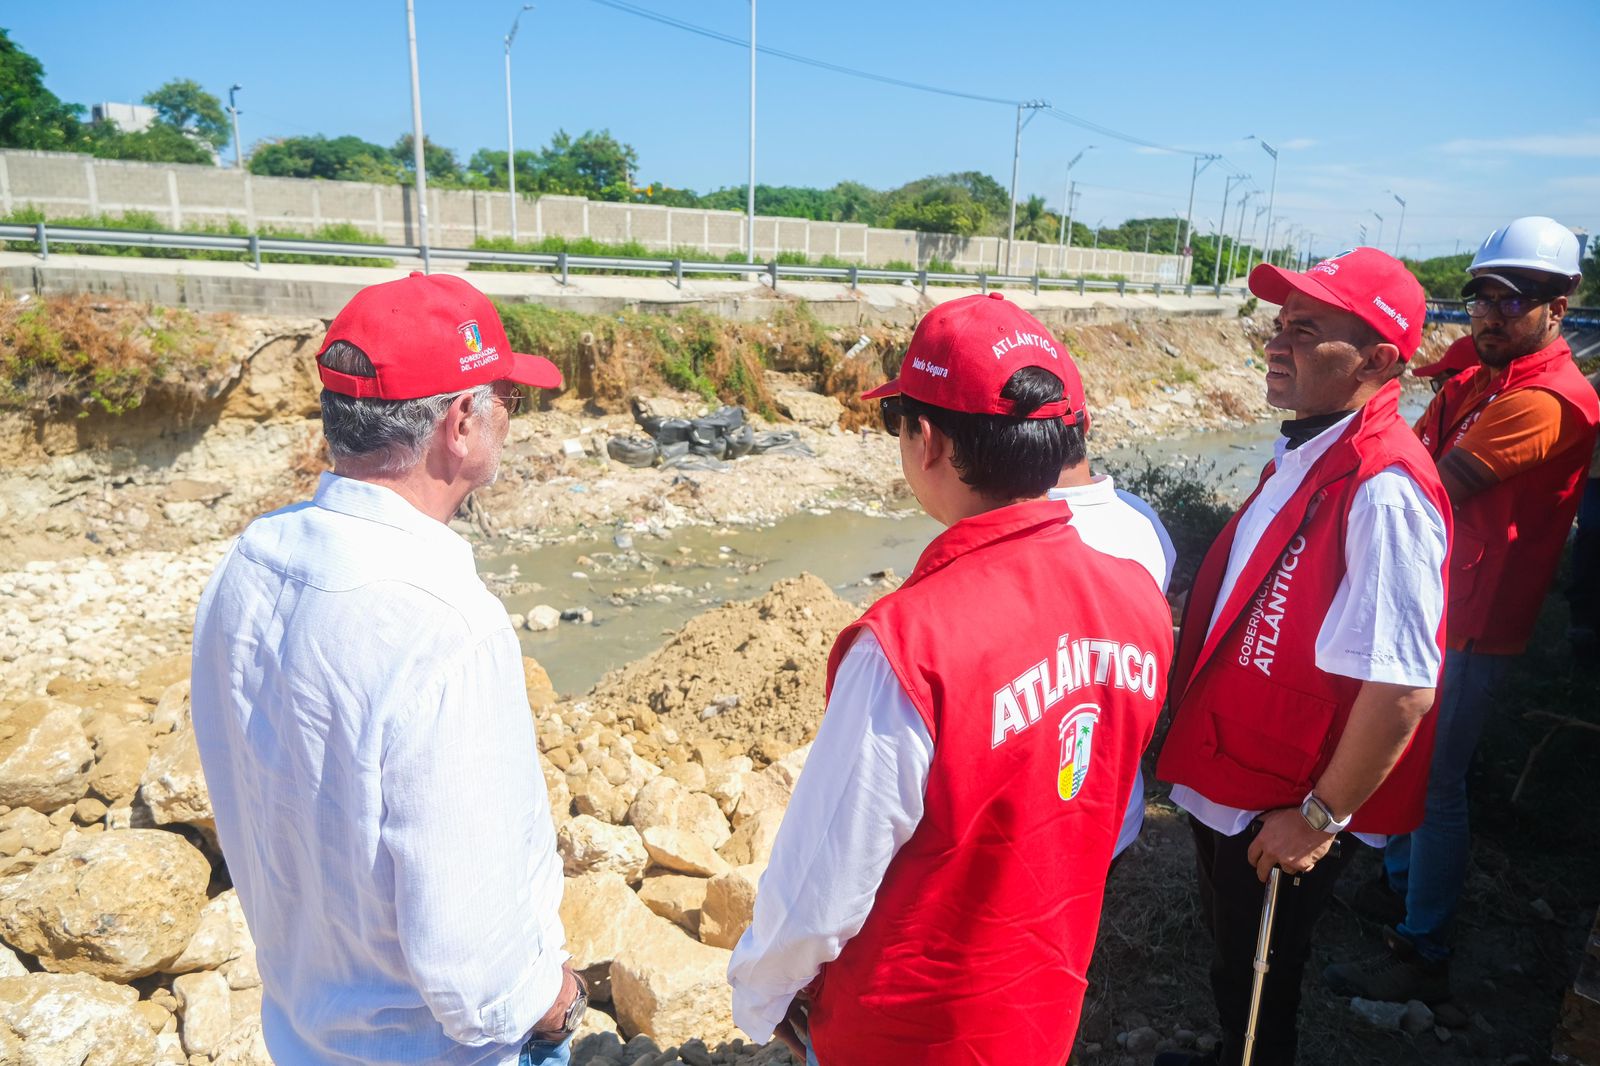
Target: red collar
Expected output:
[981,530]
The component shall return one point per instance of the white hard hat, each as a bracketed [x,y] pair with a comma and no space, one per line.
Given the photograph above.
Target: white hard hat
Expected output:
[1530,243]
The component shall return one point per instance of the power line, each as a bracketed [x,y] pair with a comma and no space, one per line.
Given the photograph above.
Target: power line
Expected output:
[1106,131]
[726,38]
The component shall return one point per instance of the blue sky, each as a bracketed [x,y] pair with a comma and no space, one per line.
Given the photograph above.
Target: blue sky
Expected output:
[1473,112]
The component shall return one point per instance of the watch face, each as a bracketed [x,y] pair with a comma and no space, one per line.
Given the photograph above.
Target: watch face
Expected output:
[1315,816]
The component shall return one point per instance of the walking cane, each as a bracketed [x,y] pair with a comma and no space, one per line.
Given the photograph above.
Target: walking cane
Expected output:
[1269,907]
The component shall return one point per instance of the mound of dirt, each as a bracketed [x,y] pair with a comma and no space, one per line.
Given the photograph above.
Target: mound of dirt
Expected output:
[745,671]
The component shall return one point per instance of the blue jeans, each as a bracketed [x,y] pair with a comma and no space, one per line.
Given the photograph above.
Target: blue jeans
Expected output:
[1429,866]
[544,1053]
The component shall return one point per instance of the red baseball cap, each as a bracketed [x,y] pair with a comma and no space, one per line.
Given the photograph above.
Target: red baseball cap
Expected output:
[965,351]
[1462,355]
[1372,285]
[428,334]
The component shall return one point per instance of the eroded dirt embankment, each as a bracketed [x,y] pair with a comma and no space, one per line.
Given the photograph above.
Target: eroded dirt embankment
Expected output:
[111,521]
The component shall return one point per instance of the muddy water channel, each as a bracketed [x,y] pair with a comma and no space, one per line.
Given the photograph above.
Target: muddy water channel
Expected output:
[623,596]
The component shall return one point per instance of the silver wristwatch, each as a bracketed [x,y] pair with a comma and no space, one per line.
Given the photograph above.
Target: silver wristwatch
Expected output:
[1319,817]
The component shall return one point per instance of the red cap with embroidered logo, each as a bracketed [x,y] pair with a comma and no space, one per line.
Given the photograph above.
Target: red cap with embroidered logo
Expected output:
[965,351]
[428,334]
[1372,285]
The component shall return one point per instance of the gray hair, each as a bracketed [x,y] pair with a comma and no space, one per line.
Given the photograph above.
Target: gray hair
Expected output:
[390,434]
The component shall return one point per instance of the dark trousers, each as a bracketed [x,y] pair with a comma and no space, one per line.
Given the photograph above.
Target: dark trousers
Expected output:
[1230,903]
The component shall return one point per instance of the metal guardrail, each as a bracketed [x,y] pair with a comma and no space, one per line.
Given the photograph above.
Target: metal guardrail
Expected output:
[563,263]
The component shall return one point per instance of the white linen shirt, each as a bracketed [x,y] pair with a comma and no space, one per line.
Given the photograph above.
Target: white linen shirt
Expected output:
[1383,623]
[362,720]
[861,795]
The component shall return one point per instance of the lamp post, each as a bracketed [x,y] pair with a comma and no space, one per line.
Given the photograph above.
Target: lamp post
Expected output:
[511,150]
[233,109]
[416,136]
[750,191]
[1097,226]
[1072,199]
[1032,107]
[1399,229]
[1250,257]
[1199,165]
[1066,226]
[1239,232]
[1379,242]
[1227,191]
[1272,194]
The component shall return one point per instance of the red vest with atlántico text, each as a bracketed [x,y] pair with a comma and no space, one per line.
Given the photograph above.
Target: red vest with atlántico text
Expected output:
[1254,721]
[1509,537]
[1038,666]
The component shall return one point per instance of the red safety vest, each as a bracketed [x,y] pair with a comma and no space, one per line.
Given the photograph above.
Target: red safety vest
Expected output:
[1038,667]
[1509,537]
[1255,721]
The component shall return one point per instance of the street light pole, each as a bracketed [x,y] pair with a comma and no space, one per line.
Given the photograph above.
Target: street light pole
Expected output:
[1065,228]
[1222,225]
[511,150]
[1238,233]
[1374,214]
[233,109]
[750,192]
[1402,226]
[416,136]
[1032,107]
[1188,226]
[1272,195]
[1250,257]
[1072,199]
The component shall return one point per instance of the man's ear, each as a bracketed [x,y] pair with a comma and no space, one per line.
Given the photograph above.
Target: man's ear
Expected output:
[1382,363]
[458,426]
[1558,308]
[934,445]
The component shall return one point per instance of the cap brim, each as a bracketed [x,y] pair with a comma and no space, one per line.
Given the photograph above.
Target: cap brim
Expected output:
[534,370]
[888,388]
[1274,284]
[1519,286]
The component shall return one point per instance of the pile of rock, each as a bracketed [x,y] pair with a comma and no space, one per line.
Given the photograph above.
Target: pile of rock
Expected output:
[121,944]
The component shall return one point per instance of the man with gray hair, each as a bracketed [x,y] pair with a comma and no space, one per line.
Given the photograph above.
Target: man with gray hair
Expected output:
[363,723]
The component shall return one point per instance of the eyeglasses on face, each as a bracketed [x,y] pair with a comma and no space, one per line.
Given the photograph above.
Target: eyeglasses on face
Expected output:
[513,399]
[892,411]
[1504,306]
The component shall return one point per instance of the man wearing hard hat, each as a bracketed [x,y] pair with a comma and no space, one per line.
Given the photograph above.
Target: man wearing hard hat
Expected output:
[1512,440]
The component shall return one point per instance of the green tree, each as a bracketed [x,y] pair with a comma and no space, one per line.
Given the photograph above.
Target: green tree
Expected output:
[160,143]
[1034,223]
[185,107]
[1588,294]
[1443,275]
[31,116]
[595,165]
[339,159]
[443,167]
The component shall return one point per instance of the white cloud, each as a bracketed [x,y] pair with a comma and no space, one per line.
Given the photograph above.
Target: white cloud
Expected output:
[1574,145]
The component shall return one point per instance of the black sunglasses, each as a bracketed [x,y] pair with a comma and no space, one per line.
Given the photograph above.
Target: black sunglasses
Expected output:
[513,400]
[892,411]
[1507,306]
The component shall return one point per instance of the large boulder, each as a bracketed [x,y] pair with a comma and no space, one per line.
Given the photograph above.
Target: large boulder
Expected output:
[45,758]
[664,801]
[588,845]
[204,1008]
[121,754]
[809,408]
[244,1047]
[730,901]
[48,1018]
[600,915]
[753,840]
[681,851]
[762,790]
[221,937]
[672,988]
[542,694]
[174,786]
[677,898]
[115,905]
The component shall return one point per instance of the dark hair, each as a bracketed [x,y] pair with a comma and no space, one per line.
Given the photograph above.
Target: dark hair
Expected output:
[1076,444]
[1004,457]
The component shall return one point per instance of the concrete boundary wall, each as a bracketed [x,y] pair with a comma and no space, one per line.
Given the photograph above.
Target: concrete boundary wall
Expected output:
[65,185]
